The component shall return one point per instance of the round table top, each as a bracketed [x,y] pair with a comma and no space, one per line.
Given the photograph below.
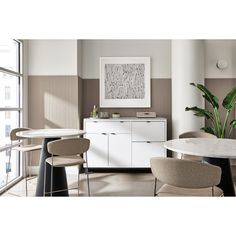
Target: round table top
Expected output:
[206,147]
[50,133]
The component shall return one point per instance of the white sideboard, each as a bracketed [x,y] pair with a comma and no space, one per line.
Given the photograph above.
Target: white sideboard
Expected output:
[125,142]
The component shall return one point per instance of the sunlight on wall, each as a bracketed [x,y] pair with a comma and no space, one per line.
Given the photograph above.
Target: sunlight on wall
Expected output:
[59,113]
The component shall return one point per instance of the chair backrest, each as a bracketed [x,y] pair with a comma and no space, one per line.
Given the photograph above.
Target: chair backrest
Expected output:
[14,137]
[72,146]
[184,173]
[196,134]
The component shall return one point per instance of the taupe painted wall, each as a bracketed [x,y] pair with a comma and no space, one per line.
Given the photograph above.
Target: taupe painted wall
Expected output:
[55,59]
[160,100]
[85,93]
[54,102]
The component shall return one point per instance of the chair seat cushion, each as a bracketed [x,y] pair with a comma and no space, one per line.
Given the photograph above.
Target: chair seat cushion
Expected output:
[28,148]
[168,191]
[62,161]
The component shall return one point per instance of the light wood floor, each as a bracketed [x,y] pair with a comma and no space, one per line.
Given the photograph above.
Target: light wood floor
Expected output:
[101,184]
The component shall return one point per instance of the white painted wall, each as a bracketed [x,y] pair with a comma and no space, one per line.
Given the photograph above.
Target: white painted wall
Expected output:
[52,57]
[220,49]
[79,57]
[187,67]
[158,50]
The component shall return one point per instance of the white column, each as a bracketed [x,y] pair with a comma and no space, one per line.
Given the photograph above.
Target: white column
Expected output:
[187,67]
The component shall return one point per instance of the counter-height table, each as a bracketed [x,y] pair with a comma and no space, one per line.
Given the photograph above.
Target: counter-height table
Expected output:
[59,174]
[214,151]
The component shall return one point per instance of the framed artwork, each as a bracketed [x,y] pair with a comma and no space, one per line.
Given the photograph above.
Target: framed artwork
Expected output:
[125,82]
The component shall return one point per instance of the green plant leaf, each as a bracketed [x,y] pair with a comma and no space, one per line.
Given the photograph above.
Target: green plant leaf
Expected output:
[212,99]
[230,99]
[232,126]
[208,130]
[200,112]
[233,123]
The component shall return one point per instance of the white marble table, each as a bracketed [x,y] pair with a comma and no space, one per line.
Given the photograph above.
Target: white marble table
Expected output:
[215,151]
[59,175]
[50,133]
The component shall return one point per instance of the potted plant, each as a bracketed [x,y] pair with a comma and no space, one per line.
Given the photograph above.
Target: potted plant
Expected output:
[218,128]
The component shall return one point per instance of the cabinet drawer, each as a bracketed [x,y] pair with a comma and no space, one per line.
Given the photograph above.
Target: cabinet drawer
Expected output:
[122,127]
[148,131]
[142,152]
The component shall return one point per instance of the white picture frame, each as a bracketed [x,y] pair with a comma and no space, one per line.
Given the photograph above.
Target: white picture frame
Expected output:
[125,82]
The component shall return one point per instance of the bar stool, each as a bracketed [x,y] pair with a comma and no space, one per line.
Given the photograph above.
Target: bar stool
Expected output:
[68,153]
[24,148]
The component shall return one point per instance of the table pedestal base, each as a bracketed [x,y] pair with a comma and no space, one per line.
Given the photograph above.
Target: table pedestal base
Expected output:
[59,174]
[226,183]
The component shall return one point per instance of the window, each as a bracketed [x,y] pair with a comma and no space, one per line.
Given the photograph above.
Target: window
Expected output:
[7,115]
[7,93]
[8,167]
[10,106]
[7,130]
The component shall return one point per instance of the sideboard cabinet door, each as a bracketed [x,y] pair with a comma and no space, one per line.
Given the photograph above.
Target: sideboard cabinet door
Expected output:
[98,150]
[119,150]
[125,142]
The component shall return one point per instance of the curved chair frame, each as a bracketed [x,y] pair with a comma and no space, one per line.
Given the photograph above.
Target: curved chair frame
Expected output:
[185,174]
[194,134]
[24,149]
[69,149]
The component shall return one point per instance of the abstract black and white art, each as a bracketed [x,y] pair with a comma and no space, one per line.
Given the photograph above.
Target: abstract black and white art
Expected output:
[125,82]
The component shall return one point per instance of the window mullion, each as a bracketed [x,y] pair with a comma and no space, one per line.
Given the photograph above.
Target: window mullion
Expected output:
[11,109]
[11,72]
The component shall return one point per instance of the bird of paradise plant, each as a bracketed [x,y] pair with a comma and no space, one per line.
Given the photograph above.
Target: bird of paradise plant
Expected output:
[217,128]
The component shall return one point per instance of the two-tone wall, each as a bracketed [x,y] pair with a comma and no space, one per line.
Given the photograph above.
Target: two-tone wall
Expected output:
[64,77]
[218,81]
[54,85]
[160,53]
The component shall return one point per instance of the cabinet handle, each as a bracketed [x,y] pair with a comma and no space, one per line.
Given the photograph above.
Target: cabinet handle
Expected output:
[113,133]
[148,141]
[95,121]
[148,121]
[121,121]
[104,134]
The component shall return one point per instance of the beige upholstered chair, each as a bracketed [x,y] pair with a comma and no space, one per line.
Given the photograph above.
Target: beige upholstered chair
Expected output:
[24,148]
[68,153]
[194,134]
[185,178]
